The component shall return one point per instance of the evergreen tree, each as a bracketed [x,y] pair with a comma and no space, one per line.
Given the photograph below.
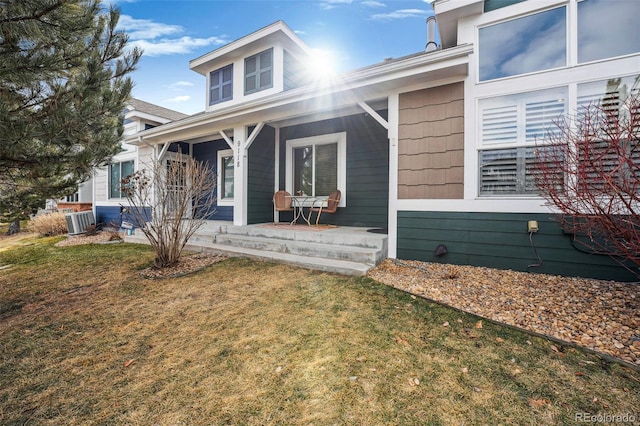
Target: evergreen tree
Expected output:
[63,88]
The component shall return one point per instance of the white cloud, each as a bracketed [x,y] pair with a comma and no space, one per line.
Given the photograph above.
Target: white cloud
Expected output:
[371,3]
[153,37]
[300,32]
[400,14]
[178,85]
[180,45]
[178,99]
[332,4]
[139,29]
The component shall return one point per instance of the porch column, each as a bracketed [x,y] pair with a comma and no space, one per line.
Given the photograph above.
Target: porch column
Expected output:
[394,112]
[240,176]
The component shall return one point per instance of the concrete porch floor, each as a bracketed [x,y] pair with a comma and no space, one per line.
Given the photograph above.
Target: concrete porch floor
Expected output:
[343,249]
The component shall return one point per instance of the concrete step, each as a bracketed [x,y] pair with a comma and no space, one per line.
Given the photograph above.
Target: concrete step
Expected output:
[357,237]
[359,254]
[343,267]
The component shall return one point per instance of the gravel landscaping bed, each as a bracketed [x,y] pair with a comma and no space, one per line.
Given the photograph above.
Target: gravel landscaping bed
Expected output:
[599,315]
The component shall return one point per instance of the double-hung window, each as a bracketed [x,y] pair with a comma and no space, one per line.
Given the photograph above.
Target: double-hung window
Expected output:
[512,129]
[225,177]
[117,172]
[316,166]
[258,72]
[221,85]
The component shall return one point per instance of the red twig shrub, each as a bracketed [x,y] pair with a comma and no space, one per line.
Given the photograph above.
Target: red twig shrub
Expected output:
[589,170]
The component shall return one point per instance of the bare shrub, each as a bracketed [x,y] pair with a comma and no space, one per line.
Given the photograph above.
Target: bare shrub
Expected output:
[589,170]
[47,225]
[168,202]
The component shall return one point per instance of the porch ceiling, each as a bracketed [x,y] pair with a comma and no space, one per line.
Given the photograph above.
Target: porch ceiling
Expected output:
[372,85]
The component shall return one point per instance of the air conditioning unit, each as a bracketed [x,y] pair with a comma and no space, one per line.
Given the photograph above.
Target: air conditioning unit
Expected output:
[77,223]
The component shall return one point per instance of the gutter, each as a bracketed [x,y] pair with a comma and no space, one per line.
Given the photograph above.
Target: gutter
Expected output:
[353,80]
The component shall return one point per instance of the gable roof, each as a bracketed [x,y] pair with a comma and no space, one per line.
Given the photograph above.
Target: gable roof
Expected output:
[278,32]
[156,110]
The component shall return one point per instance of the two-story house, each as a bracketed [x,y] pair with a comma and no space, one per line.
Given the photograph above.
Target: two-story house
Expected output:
[436,146]
[108,199]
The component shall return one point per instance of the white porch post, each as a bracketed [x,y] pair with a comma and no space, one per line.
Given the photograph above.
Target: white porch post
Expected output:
[394,112]
[240,176]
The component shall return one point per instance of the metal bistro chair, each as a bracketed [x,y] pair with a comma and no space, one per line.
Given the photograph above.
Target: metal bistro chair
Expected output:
[332,205]
[282,202]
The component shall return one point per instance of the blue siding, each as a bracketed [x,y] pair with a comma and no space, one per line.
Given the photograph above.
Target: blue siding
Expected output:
[111,216]
[207,152]
[261,175]
[367,167]
[500,240]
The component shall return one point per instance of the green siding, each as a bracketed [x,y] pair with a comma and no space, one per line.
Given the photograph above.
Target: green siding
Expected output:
[490,5]
[499,240]
[261,177]
[367,167]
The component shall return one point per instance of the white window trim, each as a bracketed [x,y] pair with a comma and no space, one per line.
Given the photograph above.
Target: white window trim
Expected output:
[341,139]
[118,161]
[222,201]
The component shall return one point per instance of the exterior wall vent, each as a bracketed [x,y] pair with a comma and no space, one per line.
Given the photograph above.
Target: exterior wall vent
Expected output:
[77,223]
[432,45]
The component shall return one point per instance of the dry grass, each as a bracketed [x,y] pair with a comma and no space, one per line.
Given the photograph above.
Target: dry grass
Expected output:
[47,225]
[85,340]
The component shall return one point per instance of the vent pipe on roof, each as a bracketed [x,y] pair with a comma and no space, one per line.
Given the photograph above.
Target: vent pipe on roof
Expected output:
[431,35]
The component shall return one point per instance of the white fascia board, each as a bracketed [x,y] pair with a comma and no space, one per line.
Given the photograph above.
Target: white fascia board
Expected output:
[133,114]
[271,108]
[444,6]
[478,205]
[278,31]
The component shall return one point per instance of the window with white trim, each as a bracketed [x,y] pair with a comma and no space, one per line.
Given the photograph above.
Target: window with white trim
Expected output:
[117,172]
[511,127]
[258,72]
[535,42]
[317,166]
[225,177]
[607,99]
[221,85]
[622,35]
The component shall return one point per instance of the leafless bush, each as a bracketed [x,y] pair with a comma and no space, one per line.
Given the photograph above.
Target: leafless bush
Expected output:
[168,202]
[589,170]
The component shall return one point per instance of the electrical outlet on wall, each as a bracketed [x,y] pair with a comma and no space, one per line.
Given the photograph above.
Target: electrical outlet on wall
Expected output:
[532,226]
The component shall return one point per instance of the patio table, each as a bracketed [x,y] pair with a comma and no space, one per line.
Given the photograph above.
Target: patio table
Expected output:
[299,202]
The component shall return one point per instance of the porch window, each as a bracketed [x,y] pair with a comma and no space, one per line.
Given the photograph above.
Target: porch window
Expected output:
[316,166]
[221,85]
[512,127]
[225,177]
[258,72]
[117,172]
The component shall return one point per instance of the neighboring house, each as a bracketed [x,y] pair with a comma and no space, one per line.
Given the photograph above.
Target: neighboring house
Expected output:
[108,200]
[436,146]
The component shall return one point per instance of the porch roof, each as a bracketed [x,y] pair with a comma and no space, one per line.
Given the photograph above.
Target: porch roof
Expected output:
[343,94]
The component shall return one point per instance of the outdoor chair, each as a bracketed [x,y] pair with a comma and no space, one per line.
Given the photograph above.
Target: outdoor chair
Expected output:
[282,201]
[332,205]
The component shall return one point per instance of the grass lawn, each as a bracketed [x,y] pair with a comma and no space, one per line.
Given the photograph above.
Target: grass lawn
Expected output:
[85,340]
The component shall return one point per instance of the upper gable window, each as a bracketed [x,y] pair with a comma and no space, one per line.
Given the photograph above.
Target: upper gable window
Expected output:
[221,85]
[258,72]
[523,45]
[606,30]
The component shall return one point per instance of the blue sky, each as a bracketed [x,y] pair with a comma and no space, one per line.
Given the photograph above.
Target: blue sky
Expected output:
[352,33]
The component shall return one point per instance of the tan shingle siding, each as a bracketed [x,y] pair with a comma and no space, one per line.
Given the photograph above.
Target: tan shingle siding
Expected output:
[431,143]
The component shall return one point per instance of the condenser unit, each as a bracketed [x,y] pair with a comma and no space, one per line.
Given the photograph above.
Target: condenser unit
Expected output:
[77,223]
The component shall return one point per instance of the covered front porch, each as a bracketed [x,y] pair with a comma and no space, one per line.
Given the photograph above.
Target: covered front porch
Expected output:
[340,249]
